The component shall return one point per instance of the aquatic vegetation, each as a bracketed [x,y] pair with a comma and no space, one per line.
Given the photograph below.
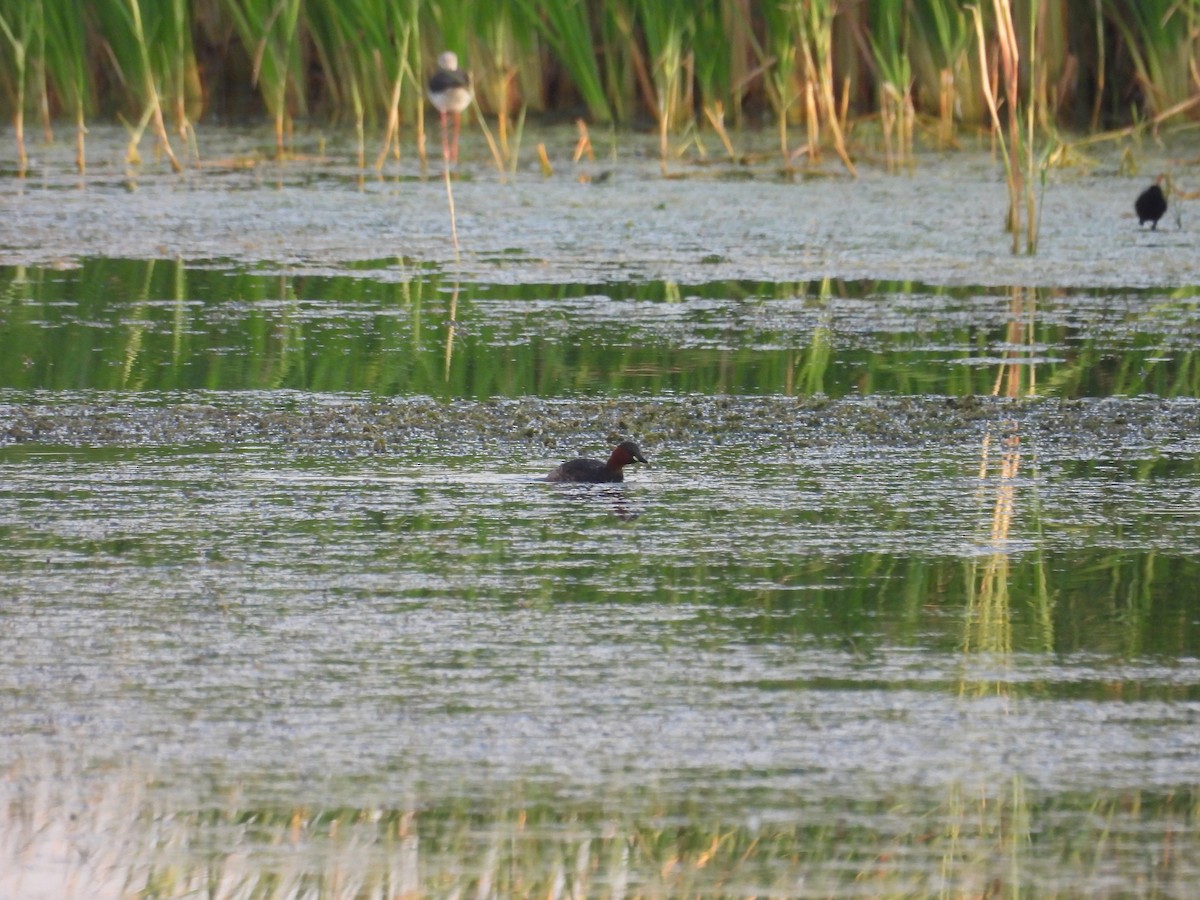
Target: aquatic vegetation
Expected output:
[568,29]
[822,63]
[900,609]
[269,31]
[667,27]
[66,67]
[1160,38]
[1010,146]
[889,44]
[151,54]
[21,26]
[941,63]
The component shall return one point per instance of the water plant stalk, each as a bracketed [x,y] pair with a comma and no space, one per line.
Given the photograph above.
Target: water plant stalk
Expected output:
[567,27]
[945,33]
[268,31]
[816,62]
[813,24]
[1008,58]
[1160,38]
[666,27]
[131,42]
[888,39]
[21,24]
[66,69]
[401,69]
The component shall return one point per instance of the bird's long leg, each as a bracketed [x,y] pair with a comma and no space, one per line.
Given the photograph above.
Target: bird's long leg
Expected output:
[457,126]
[445,140]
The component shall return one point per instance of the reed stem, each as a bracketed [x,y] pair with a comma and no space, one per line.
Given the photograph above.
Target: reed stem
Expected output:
[671,59]
[20,33]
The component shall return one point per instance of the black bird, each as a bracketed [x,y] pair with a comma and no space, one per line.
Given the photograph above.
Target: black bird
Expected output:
[597,471]
[1151,204]
[450,92]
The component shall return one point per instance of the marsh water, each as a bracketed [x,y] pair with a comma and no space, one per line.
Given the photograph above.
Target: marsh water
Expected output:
[905,604]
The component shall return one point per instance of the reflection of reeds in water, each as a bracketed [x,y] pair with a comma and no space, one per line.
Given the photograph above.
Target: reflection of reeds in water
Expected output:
[988,621]
[1016,376]
[988,834]
[987,633]
[451,328]
[452,321]
[809,371]
[450,209]
[137,330]
[110,835]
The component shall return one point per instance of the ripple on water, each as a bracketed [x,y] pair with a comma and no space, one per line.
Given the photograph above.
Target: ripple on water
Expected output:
[280,585]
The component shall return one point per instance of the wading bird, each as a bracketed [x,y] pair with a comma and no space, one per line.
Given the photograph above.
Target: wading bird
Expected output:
[450,92]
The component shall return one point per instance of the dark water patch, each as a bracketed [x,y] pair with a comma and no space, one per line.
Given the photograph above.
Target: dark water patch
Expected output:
[393,327]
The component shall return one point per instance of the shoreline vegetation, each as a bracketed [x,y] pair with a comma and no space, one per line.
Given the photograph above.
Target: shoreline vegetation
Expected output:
[697,72]
[836,79]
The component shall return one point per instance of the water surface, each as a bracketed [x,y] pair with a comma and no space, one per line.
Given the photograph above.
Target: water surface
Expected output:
[164,326]
[905,603]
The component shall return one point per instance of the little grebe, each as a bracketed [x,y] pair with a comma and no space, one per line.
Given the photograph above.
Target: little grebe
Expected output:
[596,471]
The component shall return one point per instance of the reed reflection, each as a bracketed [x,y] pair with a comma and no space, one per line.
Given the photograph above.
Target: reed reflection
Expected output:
[157,325]
[451,332]
[988,621]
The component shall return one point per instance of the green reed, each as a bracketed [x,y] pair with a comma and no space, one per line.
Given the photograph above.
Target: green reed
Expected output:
[351,39]
[66,67]
[777,59]
[713,47]
[1160,38]
[1019,169]
[402,28]
[667,27]
[22,26]
[142,39]
[498,31]
[812,21]
[269,31]
[567,28]
[889,39]
[801,61]
[176,63]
